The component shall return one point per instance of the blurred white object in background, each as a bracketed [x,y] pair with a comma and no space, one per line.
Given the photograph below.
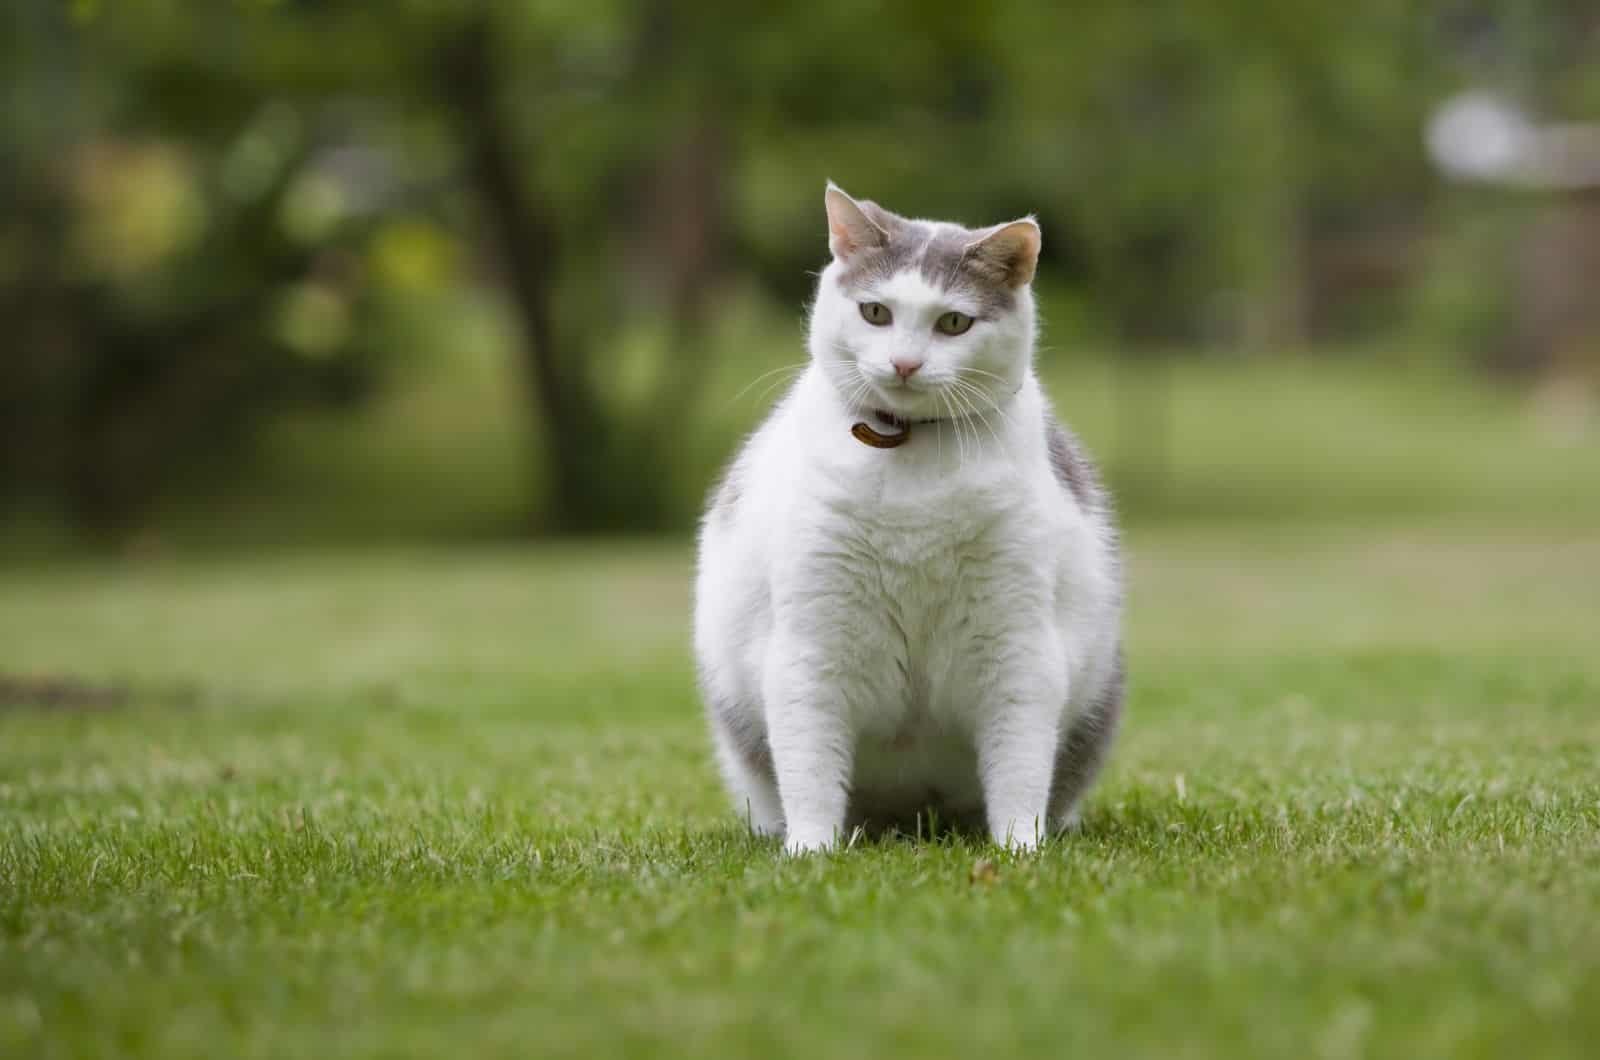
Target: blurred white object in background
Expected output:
[1479,136]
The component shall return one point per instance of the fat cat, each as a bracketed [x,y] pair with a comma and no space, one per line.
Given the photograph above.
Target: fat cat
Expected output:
[908,592]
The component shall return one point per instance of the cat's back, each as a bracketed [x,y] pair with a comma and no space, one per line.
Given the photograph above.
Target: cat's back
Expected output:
[1078,477]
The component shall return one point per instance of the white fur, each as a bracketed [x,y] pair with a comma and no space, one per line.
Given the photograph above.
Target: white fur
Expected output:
[894,624]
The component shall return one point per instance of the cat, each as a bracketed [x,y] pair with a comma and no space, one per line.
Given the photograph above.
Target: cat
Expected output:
[908,591]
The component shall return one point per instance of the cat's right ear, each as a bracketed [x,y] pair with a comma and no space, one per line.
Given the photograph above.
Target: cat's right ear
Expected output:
[850,230]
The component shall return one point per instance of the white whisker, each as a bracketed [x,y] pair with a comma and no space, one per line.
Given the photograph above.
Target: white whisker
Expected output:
[990,400]
[797,367]
[969,370]
[955,422]
[964,405]
[975,396]
[770,387]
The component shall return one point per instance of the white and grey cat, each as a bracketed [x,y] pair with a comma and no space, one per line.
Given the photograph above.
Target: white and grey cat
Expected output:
[909,590]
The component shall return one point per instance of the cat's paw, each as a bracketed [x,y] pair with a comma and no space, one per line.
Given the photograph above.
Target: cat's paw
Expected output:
[1030,845]
[1016,837]
[800,843]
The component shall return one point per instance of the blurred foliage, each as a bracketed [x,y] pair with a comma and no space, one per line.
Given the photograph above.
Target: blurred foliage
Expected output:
[219,211]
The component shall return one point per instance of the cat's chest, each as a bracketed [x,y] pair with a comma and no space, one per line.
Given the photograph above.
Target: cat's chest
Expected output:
[924,553]
[915,555]
[914,592]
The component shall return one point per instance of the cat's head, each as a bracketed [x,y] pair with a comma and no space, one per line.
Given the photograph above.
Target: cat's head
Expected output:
[923,319]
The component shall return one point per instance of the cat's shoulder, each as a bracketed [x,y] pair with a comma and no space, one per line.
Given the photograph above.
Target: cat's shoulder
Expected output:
[739,476]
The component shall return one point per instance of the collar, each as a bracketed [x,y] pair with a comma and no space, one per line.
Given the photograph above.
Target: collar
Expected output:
[864,432]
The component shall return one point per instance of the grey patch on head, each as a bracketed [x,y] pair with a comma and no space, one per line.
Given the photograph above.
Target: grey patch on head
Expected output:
[1073,468]
[1083,752]
[887,220]
[947,264]
[938,252]
[905,239]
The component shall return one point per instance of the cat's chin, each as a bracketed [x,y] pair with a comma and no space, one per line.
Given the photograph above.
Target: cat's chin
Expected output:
[903,403]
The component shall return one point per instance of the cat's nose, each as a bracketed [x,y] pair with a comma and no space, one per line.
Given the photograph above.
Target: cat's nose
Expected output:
[906,367]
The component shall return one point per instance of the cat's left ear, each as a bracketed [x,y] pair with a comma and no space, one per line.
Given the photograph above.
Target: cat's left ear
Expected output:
[1006,254]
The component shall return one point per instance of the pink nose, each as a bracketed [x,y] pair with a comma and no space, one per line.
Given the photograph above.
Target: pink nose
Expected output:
[905,367]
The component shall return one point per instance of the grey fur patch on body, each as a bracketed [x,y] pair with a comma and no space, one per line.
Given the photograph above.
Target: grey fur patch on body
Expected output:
[1073,468]
[1088,741]
[1084,750]
[937,251]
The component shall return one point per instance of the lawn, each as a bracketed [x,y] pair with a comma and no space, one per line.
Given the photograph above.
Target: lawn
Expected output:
[460,803]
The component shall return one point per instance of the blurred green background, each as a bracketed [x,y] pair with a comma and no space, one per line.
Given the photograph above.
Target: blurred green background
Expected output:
[303,273]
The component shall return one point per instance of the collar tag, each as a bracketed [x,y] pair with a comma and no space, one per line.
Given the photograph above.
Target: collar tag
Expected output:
[867,436]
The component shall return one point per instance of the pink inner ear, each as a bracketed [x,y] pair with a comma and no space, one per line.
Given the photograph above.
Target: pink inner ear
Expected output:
[1013,251]
[849,227]
[840,232]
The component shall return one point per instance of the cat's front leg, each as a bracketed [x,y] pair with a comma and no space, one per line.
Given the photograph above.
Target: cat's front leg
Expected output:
[1016,737]
[813,751]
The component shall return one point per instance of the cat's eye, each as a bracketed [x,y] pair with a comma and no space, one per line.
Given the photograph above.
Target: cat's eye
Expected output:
[952,323]
[876,313]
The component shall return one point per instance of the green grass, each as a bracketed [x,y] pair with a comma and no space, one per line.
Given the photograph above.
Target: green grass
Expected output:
[434,803]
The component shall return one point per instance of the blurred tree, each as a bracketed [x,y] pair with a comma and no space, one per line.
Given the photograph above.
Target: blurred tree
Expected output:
[608,462]
[172,270]
[212,201]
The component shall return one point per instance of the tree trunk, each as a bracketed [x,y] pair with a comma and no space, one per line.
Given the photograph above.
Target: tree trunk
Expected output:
[526,245]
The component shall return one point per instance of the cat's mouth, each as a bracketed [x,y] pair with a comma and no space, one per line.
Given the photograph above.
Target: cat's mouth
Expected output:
[903,401]
[893,404]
